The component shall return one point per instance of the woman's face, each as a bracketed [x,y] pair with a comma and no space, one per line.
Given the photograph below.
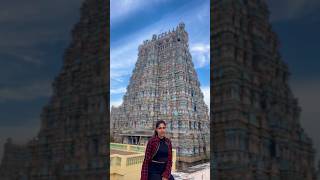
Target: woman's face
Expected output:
[161,130]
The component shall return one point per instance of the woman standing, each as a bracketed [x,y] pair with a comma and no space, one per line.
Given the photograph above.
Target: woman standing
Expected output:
[158,156]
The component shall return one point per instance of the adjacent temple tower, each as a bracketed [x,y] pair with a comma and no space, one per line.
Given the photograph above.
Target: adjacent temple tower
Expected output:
[255,117]
[164,85]
[73,139]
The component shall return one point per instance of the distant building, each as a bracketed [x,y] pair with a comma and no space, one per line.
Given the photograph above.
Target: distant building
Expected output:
[15,161]
[164,86]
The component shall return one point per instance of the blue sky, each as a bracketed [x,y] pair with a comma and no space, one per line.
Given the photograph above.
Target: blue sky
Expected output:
[134,21]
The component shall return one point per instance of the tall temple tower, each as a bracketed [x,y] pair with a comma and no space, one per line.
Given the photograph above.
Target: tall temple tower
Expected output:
[256,133]
[72,142]
[164,86]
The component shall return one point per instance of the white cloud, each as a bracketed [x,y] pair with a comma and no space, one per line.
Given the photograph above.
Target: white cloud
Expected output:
[122,9]
[115,103]
[206,94]
[120,90]
[201,48]
[200,54]
[119,74]
[292,9]
[204,15]
[37,10]
[122,60]
[26,55]
[42,15]
[29,28]
[28,92]
[31,59]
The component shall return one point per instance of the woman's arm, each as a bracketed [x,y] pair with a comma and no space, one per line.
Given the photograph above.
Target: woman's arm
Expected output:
[167,171]
[144,169]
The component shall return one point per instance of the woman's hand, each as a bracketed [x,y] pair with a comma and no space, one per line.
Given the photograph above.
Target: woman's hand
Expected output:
[163,178]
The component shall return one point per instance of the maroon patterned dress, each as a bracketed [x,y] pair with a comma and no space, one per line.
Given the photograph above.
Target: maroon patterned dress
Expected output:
[148,166]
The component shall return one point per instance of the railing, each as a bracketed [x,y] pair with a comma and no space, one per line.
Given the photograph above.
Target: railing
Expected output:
[120,162]
[135,160]
[137,148]
[118,146]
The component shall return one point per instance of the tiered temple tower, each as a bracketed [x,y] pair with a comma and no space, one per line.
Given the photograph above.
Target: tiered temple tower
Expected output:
[255,117]
[73,138]
[164,86]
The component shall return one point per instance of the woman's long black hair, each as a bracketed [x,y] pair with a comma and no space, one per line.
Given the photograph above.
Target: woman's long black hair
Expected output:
[157,125]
